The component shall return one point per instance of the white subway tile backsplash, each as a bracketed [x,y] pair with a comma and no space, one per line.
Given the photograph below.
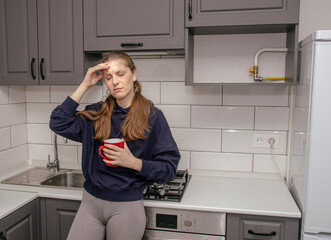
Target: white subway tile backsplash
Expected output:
[213,125]
[270,164]
[197,139]
[222,161]
[39,133]
[79,154]
[65,141]
[16,94]
[241,141]
[4,95]
[81,107]
[222,117]
[93,95]
[5,138]
[272,118]
[105,92]
[300,117]
[160,70]
[12,114]
[255,95]
[19,135]
[299,143]
[39,112]
[68,153]
[37,94]
[184,162]
[178,93]
[13,156]
[60,93]
[41,151]
[151,90]
[176,115]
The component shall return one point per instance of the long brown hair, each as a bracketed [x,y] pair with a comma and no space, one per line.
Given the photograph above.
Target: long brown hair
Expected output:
[135,125]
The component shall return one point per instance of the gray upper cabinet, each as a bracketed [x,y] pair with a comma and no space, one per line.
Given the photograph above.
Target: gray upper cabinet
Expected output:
[18,42]
[41,42]
[201,13]
[133,25]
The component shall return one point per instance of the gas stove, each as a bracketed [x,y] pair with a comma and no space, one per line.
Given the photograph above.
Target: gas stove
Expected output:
[170,191]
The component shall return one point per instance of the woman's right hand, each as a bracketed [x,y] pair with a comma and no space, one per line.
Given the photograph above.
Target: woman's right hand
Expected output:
[91,78]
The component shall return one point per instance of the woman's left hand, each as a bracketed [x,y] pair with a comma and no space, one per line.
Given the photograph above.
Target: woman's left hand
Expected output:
[121,157]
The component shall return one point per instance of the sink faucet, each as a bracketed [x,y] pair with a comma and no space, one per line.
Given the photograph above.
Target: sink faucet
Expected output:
[54,164]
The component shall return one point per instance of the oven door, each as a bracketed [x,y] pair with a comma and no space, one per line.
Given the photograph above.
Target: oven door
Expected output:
[165,235]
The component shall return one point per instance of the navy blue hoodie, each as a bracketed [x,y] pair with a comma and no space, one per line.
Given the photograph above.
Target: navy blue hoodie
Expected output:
[158,152]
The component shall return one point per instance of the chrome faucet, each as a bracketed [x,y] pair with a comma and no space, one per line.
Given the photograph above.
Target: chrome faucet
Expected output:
[54,164]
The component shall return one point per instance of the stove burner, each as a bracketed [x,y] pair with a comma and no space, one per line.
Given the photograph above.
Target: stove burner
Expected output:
[170,191]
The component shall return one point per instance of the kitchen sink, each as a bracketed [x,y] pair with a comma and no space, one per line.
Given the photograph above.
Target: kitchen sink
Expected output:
[41,176]
[66,179]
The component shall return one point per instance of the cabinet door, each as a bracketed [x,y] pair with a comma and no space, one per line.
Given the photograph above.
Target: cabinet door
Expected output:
[59,217]
[18,42]
[241,12]
[133,25]
[60,33]
[22,224]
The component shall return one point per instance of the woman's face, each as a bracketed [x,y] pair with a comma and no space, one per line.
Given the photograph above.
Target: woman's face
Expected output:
[119,80]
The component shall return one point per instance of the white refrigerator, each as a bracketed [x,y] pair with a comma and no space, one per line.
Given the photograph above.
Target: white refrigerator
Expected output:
[310,163]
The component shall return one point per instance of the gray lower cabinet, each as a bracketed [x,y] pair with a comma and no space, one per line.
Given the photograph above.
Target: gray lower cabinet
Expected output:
[251,227]
[57,216]
[202,13]
[21,224]
[41,42]
[133,25]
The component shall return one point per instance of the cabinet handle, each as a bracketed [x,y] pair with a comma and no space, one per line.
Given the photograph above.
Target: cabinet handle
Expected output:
[32,68]
[42,68]
[2,236]
[132,44]
[273,233]
[190,10]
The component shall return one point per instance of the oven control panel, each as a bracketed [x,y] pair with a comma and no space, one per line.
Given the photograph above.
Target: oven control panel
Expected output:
[185,220]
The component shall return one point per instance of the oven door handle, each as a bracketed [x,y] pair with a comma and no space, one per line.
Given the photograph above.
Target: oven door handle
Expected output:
[154,238]
[167,235]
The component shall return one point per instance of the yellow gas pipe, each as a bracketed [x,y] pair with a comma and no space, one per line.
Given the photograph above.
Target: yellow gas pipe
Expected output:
[255,69]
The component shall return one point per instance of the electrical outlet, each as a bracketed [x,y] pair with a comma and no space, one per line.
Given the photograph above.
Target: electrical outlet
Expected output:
[264,140]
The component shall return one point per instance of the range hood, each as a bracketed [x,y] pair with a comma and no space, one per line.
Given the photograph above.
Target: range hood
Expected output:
[144,53]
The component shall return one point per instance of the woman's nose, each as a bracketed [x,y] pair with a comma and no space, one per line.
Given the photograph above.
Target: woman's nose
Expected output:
[115,80]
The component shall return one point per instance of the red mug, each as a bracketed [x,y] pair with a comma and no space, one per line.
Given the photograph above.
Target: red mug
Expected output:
[111,141]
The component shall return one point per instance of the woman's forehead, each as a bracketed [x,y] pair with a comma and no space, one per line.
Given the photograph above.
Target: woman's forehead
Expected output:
[116,65]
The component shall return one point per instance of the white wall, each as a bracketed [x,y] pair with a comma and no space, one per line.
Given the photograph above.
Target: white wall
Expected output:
[314,15]
[13,134]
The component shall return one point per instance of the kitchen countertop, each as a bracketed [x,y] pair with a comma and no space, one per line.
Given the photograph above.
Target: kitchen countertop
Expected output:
[236,194]
[207,191]
[11,200]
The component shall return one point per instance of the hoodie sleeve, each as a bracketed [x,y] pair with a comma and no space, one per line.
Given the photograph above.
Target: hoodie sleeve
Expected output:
[64,122]
[164,151]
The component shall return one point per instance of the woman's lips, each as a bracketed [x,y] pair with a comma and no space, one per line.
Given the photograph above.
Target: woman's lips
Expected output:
[117,89]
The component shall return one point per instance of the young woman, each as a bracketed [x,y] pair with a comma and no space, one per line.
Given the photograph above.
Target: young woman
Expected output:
[112,198]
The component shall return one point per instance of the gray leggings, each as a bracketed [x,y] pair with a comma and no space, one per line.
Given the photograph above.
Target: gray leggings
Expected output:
[118,220]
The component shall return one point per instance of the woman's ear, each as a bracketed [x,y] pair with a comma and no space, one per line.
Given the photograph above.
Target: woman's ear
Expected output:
[135,75]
